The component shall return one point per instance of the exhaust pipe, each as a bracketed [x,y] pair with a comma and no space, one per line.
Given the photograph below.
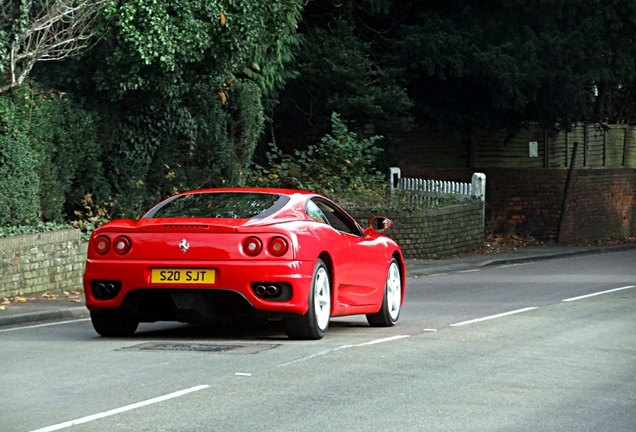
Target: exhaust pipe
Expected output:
[105,290]
[273,291]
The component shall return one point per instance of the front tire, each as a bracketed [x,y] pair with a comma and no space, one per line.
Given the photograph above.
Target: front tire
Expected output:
[314,324]
[390,310]
[113,323]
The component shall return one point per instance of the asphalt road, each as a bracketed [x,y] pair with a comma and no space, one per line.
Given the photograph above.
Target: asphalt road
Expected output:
[542,346]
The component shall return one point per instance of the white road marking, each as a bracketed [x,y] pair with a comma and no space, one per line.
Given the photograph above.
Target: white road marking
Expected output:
[493,316]
[340,348]
[468,271]
[599,293]
[245,374]
[120,410]
[513,265]
[44,325]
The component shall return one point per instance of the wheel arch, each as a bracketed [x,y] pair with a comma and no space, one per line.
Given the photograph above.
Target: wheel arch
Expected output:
[400,260]
[326,258]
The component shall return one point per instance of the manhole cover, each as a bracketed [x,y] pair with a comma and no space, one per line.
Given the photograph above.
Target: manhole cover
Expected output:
[201,347]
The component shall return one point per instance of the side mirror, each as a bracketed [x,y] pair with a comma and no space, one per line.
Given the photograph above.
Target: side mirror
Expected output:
[380,224]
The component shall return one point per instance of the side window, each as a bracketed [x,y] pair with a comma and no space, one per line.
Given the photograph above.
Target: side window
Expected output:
[337,218]
[314,212]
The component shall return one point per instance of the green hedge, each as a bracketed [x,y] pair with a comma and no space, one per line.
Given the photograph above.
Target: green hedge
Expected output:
[19,180]
[48,157]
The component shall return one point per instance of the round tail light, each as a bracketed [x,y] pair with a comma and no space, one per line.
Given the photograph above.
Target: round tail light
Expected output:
[122,245]
[101,245]
[252,246]
[277,246]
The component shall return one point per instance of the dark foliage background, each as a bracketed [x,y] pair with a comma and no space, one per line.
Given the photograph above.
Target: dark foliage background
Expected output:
[182,94]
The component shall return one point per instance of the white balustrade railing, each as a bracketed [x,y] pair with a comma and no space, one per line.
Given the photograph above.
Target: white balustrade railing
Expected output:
[438,189]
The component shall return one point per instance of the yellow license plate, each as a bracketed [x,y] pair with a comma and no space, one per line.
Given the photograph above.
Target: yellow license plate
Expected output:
[182,276]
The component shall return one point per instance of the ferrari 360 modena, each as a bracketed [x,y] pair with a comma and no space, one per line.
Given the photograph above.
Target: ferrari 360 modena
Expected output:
[231,254]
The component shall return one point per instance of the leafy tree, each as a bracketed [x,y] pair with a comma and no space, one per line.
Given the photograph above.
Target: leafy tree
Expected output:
[168,46]
[503,63]
[181,88]
[337,73]
[500,64]
[43,30]
[613,63]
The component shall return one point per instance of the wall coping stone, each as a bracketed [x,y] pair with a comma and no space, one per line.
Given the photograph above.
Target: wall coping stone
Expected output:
[26,241]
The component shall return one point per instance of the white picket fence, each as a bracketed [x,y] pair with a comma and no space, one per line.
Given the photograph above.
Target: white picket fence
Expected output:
[435,190]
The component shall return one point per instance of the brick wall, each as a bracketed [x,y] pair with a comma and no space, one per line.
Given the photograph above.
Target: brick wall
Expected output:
[602,203]
[52,261]
[601,206]
[433,232]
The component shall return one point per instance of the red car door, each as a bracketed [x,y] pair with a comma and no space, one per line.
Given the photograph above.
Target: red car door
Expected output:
[360,267]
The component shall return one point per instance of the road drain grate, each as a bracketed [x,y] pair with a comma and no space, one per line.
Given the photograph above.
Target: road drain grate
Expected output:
[201,347]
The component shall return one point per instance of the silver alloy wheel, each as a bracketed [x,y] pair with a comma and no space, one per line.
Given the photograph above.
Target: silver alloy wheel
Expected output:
[394,291]
[322,299]
[314,323]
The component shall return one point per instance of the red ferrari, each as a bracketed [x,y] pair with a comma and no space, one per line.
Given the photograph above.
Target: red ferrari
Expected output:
[215,255]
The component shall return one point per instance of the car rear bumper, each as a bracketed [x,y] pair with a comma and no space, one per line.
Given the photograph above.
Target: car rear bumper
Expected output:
[235,276]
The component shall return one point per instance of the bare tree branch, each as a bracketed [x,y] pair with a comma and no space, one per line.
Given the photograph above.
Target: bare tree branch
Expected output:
[56,30]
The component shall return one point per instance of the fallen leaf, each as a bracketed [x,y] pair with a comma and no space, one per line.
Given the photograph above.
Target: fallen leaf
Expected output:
[19,299]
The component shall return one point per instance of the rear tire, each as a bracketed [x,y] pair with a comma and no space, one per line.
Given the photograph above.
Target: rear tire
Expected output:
[113,323]
[314,324]
[390,310]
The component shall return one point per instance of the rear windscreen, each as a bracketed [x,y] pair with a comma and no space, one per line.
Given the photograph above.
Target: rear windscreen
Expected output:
[233,205]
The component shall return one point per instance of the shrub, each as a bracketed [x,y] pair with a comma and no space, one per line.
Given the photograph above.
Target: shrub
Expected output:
[48,156]
[339,165]
[63,134]
[162,147]
[19,181]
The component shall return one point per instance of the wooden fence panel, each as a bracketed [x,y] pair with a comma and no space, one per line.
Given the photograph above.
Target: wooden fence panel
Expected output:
[559,156]
[600,146]
[615,141]
[576,135]
[429,145]
[595,150]
[494,151]
[630,147]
